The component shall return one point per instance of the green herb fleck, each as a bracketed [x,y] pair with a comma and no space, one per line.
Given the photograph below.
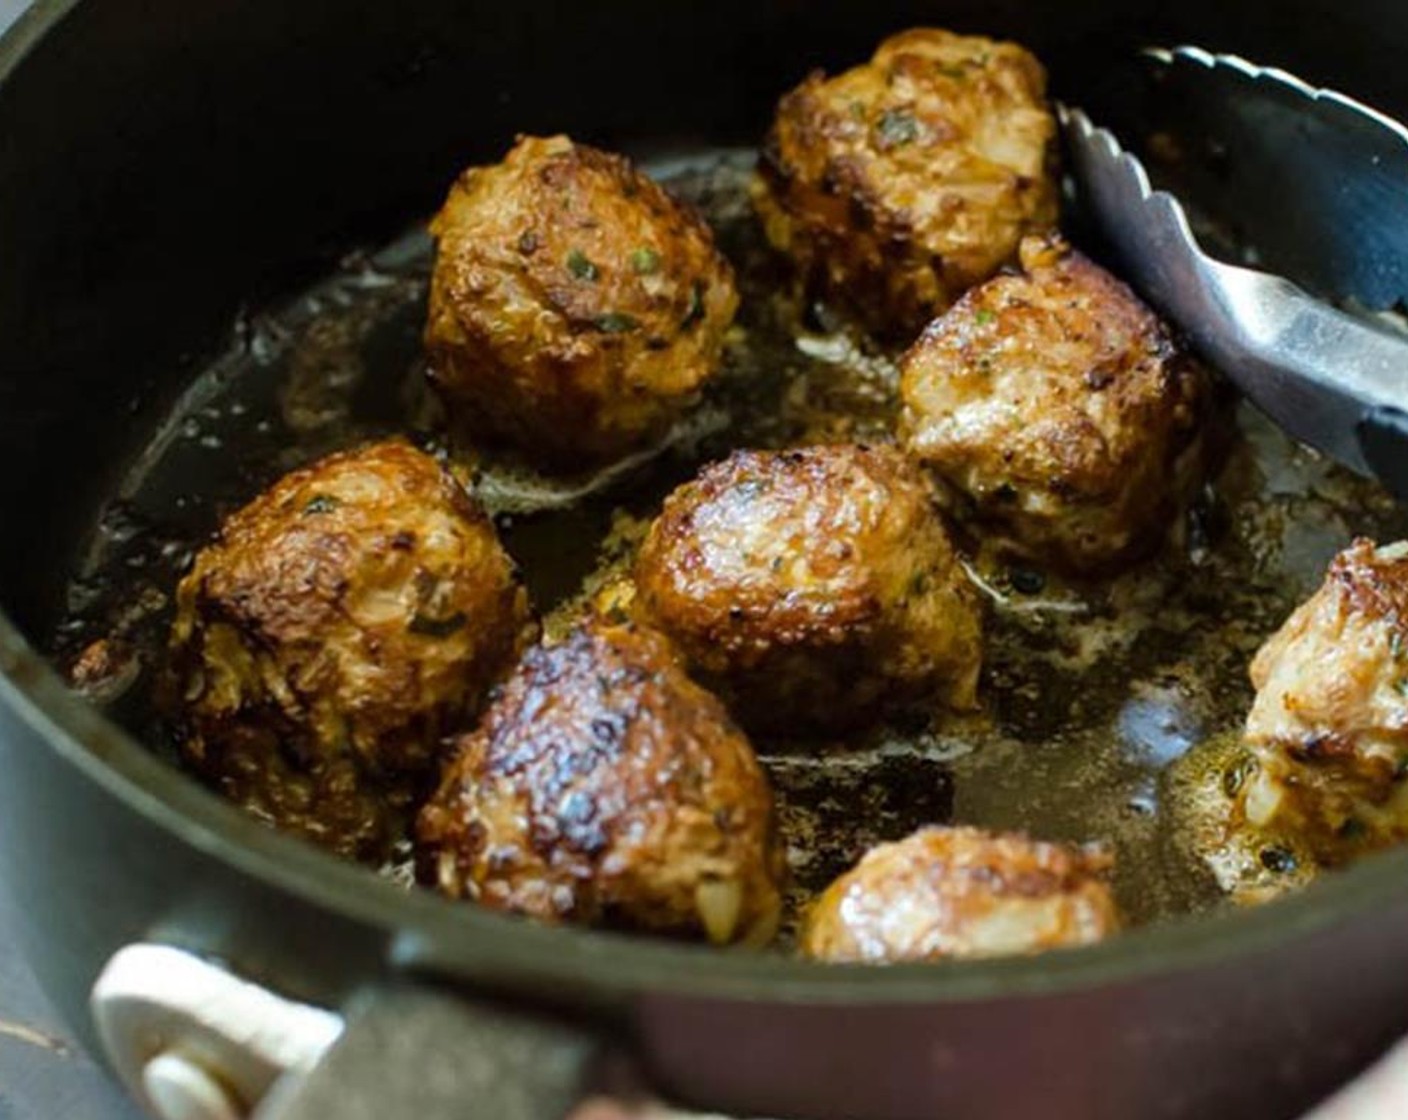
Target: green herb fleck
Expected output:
[919,583]
[898,126]
[1395,645]
[438,627]
[957,73]
[1235,776]
[321,503]
[615,322]
[645,260]
[696,306]
[580,267]
[983,317]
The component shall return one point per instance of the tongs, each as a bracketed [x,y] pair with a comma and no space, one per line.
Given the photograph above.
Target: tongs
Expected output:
[1313,188]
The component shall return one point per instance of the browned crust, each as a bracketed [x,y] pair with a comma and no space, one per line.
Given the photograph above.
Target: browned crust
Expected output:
[900,183]
[962,892]
[1372,582]
[1329,726]
[813,586]
[576,308]
[605,787]
[1059,412]
[339,626]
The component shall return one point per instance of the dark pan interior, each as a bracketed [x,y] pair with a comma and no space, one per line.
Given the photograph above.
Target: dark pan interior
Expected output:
[218,209]
[1091,690]
[163,165]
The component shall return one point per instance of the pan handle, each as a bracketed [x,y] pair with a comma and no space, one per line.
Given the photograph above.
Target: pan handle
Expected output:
[417,1051]
[192,1041]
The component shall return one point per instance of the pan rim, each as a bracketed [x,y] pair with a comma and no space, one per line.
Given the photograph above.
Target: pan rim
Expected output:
[429,933]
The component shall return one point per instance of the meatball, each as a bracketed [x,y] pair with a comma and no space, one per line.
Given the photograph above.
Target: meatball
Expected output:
[605,787]
[576,309]
[961,892]
[1328,730]
[340,625]
[902,182]
[814,587]
[1058,413]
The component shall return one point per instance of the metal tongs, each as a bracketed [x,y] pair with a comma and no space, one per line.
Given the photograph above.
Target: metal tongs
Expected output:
[1311,187]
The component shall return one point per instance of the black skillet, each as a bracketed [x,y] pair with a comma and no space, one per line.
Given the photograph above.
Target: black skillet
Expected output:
[163,166]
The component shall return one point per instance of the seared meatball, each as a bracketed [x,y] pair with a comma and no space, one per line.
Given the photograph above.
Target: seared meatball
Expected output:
[1329,727]
[961,892]
[338,627]
[900,183]
[576,309]
[813,587]
[604,787]
[1058,412]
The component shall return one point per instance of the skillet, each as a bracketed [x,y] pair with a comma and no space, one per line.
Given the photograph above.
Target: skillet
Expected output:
[162,168]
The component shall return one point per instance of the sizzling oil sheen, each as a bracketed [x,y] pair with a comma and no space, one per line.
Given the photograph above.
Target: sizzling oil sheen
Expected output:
[1091,691]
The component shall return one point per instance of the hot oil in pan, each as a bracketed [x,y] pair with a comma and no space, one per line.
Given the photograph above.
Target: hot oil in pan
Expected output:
[1090,691]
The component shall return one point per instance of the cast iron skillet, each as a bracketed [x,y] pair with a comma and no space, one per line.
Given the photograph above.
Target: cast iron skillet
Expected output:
[162,165]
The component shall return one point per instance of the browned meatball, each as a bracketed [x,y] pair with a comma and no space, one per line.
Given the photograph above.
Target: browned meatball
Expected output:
[1329,728]
[961,892]
[338,627]
[576,309]
[902,182]
[813,587]
[1058,412]
[605,787]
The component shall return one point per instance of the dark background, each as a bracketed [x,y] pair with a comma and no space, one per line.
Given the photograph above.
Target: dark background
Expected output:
[42,1075]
